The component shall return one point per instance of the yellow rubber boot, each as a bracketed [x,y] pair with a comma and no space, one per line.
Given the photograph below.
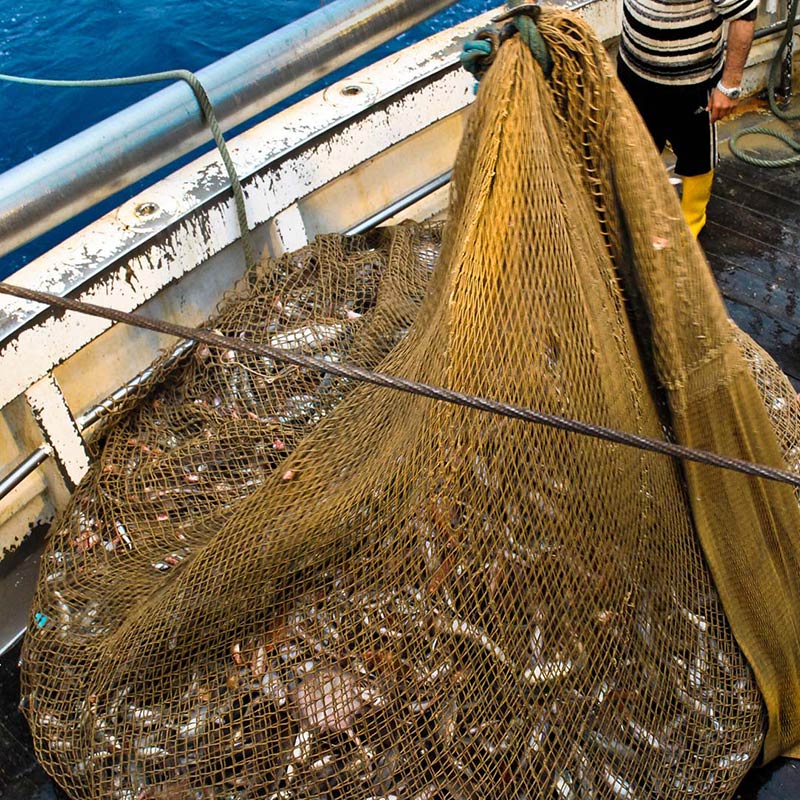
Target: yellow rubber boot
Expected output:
[695,197]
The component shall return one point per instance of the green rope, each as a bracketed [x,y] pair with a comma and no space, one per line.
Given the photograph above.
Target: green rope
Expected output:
[474,55]
[772,82]
[764,162]
[531,36]
[208,113]
[478,54]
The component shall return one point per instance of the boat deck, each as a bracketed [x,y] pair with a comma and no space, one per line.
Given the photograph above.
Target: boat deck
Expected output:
[21,777]
[752,240]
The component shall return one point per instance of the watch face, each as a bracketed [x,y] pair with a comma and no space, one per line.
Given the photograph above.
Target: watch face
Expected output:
[734,94]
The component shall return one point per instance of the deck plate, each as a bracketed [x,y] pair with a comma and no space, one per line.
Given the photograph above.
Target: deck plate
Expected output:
[752,241]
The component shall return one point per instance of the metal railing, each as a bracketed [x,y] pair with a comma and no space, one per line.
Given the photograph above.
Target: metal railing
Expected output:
[28,465]
[785,85]
[72,176]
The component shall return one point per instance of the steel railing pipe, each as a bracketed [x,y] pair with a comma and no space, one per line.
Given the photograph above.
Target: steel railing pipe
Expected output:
[27,467]
[402,204]
[776,27]
[52,187]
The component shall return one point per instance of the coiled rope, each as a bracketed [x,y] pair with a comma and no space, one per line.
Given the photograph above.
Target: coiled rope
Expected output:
[209,116]
[412,387]
[772,82]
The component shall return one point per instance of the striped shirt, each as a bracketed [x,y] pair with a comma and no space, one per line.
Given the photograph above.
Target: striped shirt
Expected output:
[677,42]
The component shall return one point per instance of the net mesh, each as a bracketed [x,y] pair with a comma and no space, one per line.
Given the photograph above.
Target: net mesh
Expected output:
[276,583]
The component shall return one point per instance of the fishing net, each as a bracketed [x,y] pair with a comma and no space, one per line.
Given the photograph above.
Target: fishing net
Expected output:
[279,583]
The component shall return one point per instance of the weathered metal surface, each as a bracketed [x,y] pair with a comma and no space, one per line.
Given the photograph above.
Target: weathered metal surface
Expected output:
[52,414]
[293,155]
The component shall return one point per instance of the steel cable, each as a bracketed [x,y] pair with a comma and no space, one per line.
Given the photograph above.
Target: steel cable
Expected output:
[401,384]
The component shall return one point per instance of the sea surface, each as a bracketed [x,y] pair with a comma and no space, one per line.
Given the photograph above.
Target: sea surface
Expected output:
[82,39]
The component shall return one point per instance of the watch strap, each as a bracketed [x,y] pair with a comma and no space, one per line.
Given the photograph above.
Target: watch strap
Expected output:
[733,92]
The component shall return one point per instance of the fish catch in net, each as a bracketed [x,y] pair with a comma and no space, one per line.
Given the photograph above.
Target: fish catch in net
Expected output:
[277,583]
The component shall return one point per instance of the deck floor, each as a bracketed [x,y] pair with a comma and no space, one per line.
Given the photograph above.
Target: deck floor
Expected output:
[752,241]
[21,778]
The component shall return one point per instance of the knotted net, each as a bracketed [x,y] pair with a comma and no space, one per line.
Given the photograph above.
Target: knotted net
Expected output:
[276,583]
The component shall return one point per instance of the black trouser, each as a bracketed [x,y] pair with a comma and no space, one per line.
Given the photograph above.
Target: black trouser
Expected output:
[678,115]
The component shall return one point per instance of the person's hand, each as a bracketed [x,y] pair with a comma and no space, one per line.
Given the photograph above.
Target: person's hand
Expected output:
[720,105]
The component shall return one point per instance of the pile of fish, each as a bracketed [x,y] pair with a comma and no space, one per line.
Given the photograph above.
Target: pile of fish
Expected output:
[380,694]
[224,420]
[411,685]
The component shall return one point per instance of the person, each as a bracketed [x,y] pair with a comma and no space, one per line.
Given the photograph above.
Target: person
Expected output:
[683,79]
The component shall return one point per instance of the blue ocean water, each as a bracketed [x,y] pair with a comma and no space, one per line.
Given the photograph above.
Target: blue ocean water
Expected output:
[83,39]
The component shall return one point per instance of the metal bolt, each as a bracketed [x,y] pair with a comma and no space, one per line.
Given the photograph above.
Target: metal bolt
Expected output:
[147,209]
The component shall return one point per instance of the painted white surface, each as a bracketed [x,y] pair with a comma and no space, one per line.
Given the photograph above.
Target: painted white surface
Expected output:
[59,430]
[290,231]
[128,260]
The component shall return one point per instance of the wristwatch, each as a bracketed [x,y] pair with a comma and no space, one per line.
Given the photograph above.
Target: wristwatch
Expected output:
[734,93]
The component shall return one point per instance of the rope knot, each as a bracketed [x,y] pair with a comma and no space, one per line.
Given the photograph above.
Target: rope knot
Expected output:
[478,54]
